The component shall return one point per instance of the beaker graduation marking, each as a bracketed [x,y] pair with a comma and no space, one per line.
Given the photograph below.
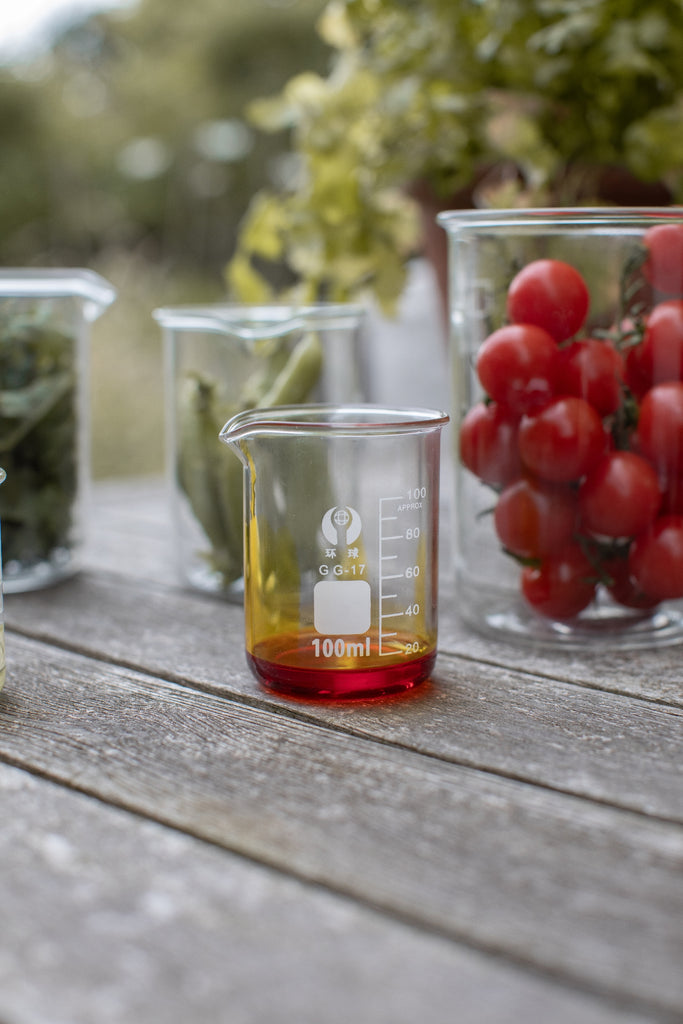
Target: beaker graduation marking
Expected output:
[392,557]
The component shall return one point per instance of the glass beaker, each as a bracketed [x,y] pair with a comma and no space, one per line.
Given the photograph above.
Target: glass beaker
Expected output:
[567,335]
[45,318]
[224,359]
[341,540]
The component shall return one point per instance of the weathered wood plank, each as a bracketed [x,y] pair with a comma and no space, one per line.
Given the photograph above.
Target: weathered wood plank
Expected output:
[129,529]
[587,742]
[139,508]
[581,891]
[106,917]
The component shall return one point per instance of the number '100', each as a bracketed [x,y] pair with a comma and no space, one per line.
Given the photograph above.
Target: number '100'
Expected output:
[340,648]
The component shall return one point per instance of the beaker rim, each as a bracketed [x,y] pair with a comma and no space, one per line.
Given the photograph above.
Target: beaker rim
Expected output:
[596,217]
[58,282]
[252,322]
[333,420]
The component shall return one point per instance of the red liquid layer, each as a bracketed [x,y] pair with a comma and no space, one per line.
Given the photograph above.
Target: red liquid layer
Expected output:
[294,674]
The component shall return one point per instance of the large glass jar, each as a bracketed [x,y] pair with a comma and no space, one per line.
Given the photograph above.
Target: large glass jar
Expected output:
[567,337]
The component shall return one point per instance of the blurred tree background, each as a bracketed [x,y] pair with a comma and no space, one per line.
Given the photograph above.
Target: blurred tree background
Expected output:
[125,149]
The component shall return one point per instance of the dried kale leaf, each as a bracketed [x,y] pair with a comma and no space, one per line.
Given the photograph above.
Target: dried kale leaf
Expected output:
[38,437]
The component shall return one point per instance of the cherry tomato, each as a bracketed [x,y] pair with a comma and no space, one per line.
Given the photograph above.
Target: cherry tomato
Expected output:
[661,350]
[594,370]
[656,559]
[534,519]
[551,294]
[517,366]
[562,586]
[659,436]
[620,496]
[563,441]
[488,444]
[623,587]
[664,265]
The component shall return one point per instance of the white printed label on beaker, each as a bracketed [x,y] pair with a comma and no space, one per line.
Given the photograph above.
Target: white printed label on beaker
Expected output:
[341,606]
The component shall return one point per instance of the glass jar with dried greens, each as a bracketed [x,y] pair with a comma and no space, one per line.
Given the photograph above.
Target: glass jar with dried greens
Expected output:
[45,317]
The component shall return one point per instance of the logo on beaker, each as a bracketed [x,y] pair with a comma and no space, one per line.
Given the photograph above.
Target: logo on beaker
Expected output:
[341,525]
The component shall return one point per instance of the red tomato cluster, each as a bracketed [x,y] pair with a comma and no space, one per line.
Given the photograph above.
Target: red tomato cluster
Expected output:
[582,436]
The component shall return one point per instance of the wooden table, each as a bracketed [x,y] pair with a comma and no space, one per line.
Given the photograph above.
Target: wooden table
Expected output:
[506,845]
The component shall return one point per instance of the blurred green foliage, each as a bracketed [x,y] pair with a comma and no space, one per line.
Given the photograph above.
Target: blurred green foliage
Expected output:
[468,102]
[130,130]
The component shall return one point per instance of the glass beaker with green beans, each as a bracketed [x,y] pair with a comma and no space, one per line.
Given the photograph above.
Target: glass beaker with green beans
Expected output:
[224,359]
